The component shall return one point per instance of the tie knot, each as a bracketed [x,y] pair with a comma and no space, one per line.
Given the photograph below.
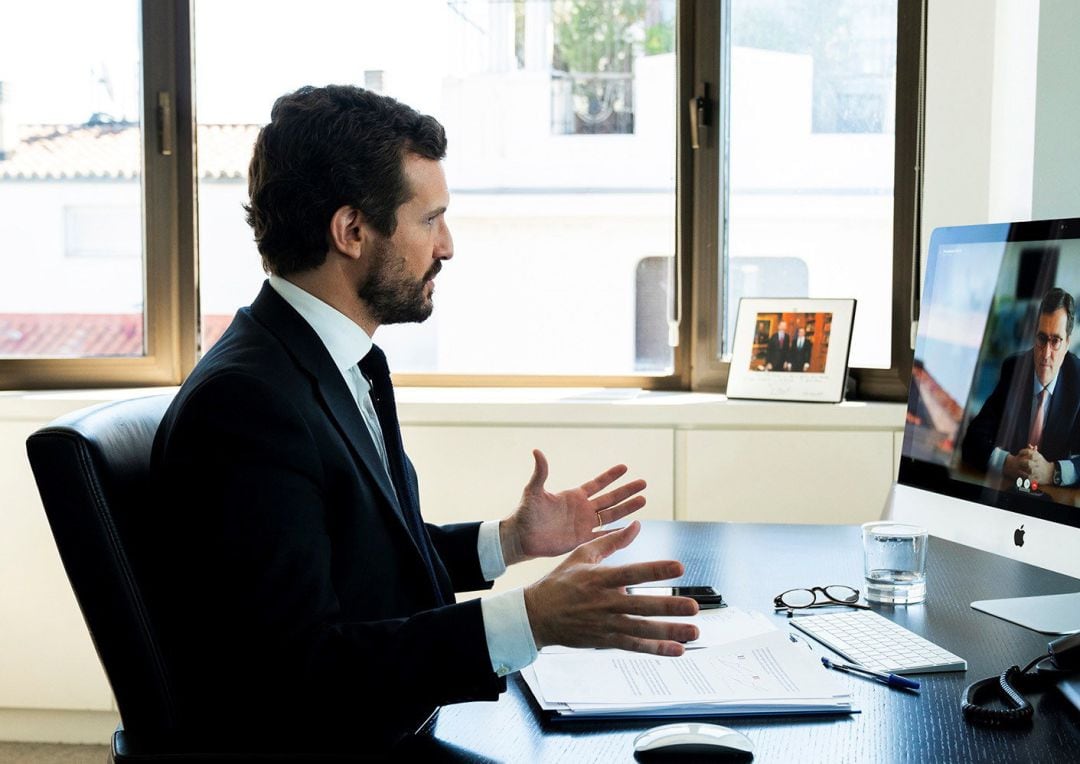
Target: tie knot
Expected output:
[373,365]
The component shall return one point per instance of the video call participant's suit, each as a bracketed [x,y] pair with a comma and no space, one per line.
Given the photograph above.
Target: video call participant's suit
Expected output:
[1005,419]
[304,589]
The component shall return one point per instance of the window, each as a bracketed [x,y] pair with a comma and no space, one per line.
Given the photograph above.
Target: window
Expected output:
[75,307]
[71,164]
[809,175]
[593,245]
[596,48]
[549,225]
[804,155]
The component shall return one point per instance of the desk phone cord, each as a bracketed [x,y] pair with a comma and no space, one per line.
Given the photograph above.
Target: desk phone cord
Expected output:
[1063,659]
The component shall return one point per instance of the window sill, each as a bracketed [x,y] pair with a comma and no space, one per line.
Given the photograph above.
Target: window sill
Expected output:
[420,406]
[632,407]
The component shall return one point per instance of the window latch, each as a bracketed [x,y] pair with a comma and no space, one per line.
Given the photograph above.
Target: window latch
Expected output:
[700,114]
[165,123]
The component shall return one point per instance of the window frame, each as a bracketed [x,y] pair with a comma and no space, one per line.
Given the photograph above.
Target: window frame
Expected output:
[170,210]
[169,293]
[712,40]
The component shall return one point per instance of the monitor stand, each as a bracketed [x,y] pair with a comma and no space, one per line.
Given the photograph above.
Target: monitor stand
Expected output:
[1047,614]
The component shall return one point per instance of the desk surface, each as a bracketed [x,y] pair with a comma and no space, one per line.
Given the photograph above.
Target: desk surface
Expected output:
[752,563]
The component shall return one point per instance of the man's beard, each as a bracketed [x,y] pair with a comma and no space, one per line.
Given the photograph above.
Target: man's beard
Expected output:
[390,293]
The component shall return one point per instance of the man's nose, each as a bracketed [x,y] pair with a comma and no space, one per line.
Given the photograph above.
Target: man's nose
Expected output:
[444,244]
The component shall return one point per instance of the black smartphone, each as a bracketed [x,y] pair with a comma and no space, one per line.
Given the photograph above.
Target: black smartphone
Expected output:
[705,596]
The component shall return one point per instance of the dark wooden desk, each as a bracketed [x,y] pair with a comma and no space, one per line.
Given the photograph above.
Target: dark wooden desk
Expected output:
[752,563]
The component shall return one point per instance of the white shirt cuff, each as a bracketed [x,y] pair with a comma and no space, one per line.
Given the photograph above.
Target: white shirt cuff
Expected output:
[996,463]
[510,642]
[1068,472]
[489,550]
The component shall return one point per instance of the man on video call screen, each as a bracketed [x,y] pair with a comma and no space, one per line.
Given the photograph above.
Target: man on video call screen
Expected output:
[1029,426]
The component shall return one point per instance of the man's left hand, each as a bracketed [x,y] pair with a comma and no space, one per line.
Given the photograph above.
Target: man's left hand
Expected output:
[546,524]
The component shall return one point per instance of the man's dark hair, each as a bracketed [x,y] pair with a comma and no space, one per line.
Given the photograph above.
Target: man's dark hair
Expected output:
[1058,299]
[326,148]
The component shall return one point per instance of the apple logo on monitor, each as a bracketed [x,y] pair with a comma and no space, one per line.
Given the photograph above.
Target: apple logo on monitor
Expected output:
[1018,536]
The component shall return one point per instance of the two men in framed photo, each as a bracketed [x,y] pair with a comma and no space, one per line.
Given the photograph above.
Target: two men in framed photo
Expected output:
[791,349]
[791,342]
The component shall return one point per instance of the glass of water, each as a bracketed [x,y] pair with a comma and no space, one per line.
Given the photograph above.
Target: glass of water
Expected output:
[894,562]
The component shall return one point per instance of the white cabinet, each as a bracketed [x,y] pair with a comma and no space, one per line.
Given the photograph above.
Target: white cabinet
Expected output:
[46,657]
[784,476]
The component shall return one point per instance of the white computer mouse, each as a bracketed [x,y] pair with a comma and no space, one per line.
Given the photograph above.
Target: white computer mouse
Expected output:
[695,739]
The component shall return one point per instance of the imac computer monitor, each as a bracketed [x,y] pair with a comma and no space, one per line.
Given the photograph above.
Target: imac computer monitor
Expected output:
[991,454]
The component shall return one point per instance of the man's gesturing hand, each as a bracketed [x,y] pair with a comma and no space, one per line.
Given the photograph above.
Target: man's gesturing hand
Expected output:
[546,524]
[584,604]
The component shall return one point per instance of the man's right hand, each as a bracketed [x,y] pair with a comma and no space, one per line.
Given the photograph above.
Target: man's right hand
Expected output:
[1012,467]
[584,604]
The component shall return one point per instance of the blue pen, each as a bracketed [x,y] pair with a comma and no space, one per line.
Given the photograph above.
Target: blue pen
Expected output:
[893,680]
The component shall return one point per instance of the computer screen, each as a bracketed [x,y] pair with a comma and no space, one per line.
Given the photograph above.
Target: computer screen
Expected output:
[991,451]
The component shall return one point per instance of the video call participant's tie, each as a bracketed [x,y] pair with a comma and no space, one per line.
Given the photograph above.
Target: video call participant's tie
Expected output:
[1039,422]
[373,367]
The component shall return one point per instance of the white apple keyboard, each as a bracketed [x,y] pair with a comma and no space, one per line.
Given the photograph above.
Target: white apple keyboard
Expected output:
[877,643]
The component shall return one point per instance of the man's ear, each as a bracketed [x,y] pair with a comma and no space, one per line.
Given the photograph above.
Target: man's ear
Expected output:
[347,231]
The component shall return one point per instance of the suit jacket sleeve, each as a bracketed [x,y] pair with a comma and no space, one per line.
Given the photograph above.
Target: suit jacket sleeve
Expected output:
[457,545]
[984,430]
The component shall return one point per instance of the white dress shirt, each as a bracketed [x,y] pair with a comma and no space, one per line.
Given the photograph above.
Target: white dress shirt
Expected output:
[510,642]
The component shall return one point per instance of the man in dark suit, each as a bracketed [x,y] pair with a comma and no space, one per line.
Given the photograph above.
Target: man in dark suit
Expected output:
[1029,427]
[776,353]
[301,599]
[801,348]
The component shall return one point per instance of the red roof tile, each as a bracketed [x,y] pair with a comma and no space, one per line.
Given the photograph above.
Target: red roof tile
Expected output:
[113,151]
[77,335]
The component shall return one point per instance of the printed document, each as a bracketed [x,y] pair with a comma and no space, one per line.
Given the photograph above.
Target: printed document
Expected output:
[762,673]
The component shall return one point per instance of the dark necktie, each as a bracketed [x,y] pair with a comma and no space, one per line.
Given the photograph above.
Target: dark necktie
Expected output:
[374,368]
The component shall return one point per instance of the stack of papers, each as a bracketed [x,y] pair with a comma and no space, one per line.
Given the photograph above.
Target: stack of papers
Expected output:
[740,665]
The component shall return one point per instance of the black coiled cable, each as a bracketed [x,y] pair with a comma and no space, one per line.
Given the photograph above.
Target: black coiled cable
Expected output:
[1007,689]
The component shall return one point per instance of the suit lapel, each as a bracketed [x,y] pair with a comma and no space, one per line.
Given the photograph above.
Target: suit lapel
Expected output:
[310,354]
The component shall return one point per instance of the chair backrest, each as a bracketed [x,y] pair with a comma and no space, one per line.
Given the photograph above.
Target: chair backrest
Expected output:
[93,472]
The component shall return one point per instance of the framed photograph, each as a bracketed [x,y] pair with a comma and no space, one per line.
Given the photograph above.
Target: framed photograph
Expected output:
[791,349]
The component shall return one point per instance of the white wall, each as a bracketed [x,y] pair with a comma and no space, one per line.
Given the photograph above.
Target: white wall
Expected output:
[1057,116]
[964,68]
[1002,112]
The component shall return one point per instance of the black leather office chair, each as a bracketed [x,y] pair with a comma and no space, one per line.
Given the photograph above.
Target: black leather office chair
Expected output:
[93,472]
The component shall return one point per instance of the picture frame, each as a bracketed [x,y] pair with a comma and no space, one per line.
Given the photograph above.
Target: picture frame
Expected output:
[771,361]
